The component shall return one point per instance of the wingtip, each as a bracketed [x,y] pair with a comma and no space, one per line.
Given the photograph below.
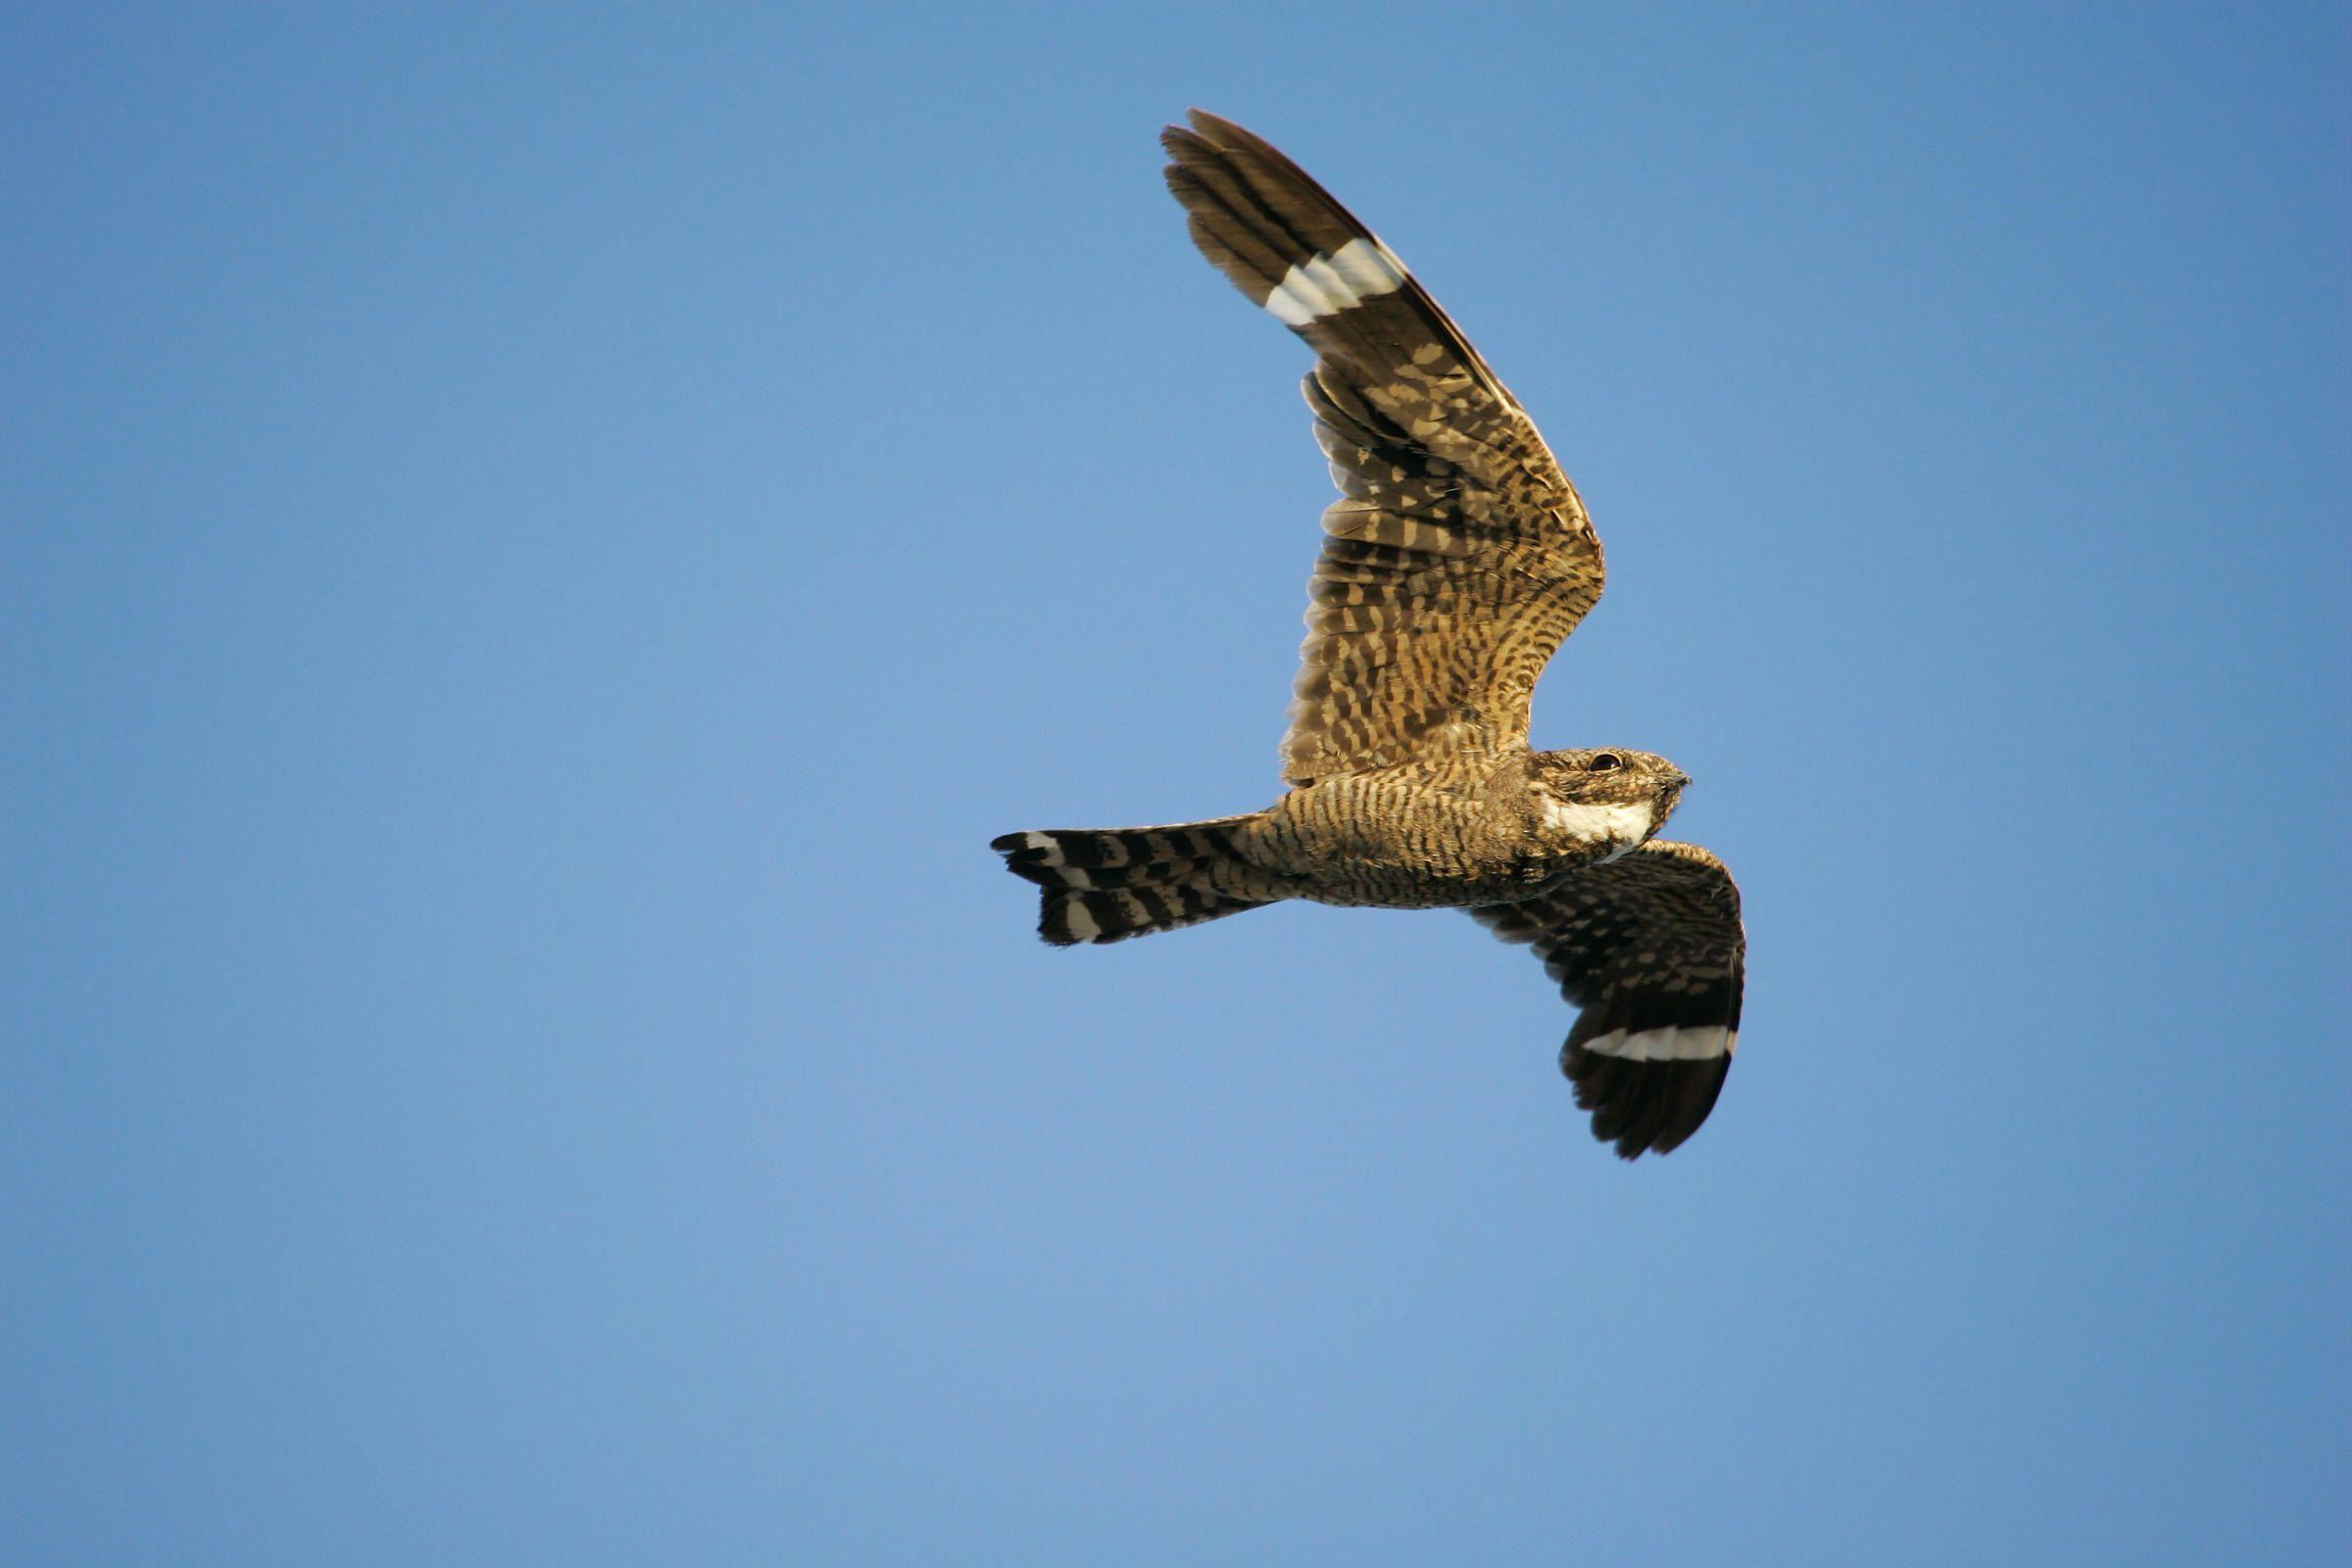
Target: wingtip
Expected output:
[1645,1107]
[1217,128]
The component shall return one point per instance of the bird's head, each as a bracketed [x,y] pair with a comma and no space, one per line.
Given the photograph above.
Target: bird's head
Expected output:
[1611,798]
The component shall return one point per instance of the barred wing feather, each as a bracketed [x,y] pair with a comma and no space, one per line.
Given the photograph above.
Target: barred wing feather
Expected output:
[1650,947]
[1460,556]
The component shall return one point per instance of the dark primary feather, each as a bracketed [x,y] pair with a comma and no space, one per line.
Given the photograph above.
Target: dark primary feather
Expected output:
[1650,941]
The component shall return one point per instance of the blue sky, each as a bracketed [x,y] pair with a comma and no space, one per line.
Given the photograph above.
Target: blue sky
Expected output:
[540,547]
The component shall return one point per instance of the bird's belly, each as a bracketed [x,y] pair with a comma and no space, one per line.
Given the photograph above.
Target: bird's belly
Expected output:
[1371,884]
[1397,848]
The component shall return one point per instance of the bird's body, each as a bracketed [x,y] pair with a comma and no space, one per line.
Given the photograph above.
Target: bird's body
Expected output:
[1478,828]
[1457,562]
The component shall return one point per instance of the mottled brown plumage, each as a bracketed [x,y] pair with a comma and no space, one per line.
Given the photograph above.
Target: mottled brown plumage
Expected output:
[1460,556]
[1457,562]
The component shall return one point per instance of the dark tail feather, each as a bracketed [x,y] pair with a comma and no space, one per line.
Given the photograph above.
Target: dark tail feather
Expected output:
[1108,884]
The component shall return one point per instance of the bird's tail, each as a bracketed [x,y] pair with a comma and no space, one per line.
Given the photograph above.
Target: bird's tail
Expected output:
[1108,884]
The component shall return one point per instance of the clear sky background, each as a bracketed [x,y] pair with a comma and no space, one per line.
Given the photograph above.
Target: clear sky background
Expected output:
[539,548]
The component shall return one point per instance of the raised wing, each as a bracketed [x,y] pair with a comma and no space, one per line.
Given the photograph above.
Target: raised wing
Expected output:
[1460,556]
[1650,948]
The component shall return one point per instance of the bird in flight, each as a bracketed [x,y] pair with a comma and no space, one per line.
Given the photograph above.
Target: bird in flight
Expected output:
[1456,561]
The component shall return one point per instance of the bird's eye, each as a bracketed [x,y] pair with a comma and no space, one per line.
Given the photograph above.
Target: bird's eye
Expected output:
[1605,762]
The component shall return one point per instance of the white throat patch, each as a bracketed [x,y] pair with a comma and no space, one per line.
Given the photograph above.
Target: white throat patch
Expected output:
[1624,826]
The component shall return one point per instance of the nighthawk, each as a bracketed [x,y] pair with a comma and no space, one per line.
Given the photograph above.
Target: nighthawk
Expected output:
[1457,560]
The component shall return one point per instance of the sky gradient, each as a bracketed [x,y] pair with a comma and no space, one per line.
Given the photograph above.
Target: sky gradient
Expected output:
[536,551]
